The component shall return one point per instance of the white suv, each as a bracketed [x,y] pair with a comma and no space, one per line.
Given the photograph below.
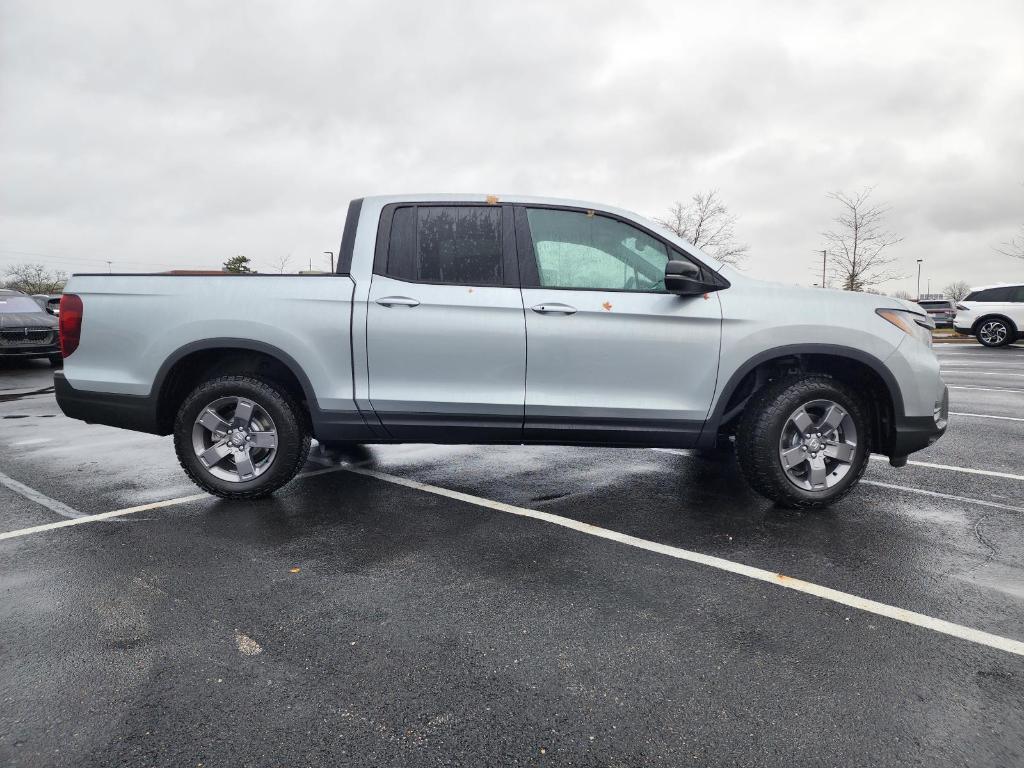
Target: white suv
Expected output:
[994,315]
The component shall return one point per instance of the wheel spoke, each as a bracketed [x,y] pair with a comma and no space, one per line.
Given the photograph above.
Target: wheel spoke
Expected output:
[802,421]
[832,419]
[243,412]
[213,422]
[214,453]
[794,457]
[817,474]
[840,452]
[244,465]
[264,439]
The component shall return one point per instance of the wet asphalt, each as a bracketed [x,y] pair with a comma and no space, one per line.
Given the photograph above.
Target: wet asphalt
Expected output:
[353,621]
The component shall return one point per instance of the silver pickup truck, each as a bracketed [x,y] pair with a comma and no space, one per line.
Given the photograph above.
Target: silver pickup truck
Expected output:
[478,319]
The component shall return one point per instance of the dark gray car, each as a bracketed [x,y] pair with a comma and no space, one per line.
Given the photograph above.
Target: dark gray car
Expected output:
[26,329]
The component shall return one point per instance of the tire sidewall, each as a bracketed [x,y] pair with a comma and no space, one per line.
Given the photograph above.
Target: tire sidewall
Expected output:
[292,437]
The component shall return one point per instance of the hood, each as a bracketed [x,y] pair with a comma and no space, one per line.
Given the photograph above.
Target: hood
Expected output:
[27,320]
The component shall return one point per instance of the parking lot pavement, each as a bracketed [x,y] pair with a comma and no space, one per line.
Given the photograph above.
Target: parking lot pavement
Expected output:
[352,619]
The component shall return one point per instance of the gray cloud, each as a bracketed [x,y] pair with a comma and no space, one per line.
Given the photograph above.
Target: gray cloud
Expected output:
[181,134]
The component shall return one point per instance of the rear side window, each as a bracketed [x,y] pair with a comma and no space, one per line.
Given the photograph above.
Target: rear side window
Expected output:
[993,294]
[446,244]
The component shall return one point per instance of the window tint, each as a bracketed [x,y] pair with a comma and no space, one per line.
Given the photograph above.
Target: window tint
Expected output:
[583,250]
[1018,294]
[992,294]
[446,244]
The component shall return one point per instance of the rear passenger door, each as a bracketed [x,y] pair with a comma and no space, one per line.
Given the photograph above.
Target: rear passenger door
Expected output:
[446,338]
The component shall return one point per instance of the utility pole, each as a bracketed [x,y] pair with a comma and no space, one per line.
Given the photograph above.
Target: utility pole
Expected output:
[331,254]
[919,278]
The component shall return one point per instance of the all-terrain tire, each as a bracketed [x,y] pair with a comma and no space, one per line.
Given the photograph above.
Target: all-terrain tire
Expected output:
[289,418]
[760,431]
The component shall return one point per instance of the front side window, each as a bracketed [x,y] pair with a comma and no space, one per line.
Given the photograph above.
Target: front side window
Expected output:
[447,244]
[582,250]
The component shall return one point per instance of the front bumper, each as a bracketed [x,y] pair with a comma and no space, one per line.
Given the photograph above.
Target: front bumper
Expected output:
[27,352]
[912,433]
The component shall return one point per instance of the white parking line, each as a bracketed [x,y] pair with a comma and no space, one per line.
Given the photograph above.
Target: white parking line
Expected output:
[985,416]
[972,372]
[80,519]
[990,389]
[42,499]
[965,499]
[951,468]
[759,574]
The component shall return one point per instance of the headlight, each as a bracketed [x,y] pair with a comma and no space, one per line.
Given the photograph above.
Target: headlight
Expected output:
[911,324]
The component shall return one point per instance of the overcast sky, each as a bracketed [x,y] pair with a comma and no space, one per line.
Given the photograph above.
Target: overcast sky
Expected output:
[180,137]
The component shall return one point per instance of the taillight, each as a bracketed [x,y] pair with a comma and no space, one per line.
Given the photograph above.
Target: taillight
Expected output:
[70,327]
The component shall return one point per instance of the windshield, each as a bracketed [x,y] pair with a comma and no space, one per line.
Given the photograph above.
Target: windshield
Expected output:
[10,304]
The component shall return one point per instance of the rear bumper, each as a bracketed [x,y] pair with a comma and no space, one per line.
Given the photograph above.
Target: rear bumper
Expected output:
[125,411]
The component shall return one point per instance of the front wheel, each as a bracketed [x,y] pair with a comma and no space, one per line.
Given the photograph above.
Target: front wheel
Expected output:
[994,333]
[803,442]
[240,437]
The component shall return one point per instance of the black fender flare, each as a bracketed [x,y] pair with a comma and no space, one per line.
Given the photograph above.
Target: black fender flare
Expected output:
[251,345]
[713,423]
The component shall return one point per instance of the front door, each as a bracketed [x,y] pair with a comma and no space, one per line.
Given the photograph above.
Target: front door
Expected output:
[446,339]
[611,357]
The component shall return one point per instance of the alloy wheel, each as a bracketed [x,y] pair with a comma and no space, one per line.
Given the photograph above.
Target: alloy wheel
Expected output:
[818,445]
[992,333]
[235,439]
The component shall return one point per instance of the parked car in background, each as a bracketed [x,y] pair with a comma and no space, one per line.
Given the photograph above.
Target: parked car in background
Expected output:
[26,329]
[942,311]
[465,319]
[994,315]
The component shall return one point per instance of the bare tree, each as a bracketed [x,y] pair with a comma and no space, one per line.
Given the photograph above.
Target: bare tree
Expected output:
[957,291]
[34,278]
[901,294]
[857,253]
[1013,247]
[281,263]
[706,222]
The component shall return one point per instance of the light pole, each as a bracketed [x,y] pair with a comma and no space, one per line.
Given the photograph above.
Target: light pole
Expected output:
[823,252]
[331,254]
[919,278]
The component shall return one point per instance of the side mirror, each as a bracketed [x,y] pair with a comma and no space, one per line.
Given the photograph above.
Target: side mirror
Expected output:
[683,279]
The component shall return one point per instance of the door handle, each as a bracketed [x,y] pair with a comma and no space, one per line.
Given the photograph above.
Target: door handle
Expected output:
[555,308]
[397,301]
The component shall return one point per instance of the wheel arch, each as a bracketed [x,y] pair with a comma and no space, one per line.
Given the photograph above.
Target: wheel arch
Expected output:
[995,316]
[199,360]
[844,363]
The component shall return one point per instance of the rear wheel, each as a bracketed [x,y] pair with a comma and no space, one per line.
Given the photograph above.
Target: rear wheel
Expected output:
[241,437]
[994,332]
[803,442]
